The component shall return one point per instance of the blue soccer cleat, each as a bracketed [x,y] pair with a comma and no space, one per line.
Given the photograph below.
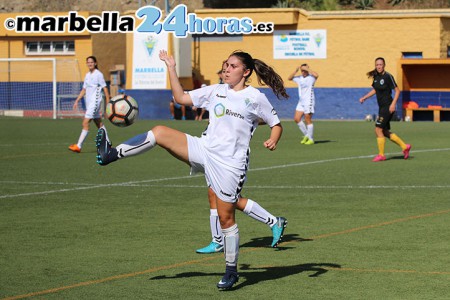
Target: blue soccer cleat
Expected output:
[213,247]
[228,280]
[105,153]
[278,230]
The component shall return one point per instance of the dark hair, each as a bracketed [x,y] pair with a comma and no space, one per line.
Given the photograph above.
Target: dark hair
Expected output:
[94,59]
[266,74]
[303,65]
[372,73]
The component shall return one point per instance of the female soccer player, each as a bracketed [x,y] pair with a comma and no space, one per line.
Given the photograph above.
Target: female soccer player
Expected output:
[248,206]
[235,110]
[382,86]
[94,83]
[306,102]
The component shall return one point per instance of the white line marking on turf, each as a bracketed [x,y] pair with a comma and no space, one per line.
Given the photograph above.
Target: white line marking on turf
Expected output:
[184,177]
[303,186]
[44,183]
[338,159]
[93,187]
[32,145]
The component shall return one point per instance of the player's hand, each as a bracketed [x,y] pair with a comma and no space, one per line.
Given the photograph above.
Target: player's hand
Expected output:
[75,105]
[392,108]
[362,100]
[168,59]
[270,144]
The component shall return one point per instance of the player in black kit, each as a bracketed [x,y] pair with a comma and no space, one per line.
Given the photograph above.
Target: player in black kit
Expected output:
[382,86]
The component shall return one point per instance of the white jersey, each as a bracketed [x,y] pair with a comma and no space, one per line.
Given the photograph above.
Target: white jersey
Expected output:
[305,88]
[233,117]
[94,83]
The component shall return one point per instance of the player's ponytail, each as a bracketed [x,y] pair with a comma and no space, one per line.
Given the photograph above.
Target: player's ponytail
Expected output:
[266,75]
[372,73]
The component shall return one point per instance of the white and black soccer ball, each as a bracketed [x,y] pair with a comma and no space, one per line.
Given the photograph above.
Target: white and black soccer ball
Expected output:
[368,118]
[122,110]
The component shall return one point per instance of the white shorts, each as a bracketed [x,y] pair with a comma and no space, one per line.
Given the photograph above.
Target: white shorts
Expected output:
[94,106]
[225,181]
[306,107]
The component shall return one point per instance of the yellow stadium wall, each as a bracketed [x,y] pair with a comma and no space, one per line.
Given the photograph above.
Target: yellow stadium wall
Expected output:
[354,41]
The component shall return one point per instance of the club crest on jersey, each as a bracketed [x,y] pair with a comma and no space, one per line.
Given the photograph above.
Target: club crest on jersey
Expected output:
[247,101]
[382,81]
[219,110]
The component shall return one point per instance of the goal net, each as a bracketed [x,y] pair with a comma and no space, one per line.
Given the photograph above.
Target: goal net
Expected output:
[39,87]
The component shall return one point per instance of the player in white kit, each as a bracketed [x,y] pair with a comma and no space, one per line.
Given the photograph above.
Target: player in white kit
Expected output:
[235,111]
[94,87]
[248,206]
[306,102]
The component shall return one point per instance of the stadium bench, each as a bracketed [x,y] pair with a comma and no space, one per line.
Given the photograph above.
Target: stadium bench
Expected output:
[437,112]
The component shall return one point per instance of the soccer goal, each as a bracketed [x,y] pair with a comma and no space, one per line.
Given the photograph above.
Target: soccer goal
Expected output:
[39,87]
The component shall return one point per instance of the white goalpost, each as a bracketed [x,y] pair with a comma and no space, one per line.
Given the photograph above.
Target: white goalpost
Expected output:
[39,87]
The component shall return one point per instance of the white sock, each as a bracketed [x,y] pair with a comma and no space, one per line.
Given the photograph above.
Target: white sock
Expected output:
[137,145]
[302,127]
[254,210]
[310,128]
[82,137]
[216,231]
[106,132]
[231,245]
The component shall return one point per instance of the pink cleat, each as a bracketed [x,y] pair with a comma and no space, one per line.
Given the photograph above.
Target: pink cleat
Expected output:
[379,158]
[406,151]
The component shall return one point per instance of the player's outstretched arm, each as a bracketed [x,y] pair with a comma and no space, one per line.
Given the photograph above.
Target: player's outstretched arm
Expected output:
[177,90]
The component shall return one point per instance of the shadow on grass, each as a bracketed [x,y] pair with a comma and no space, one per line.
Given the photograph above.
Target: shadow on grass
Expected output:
[267,241]
[324,141]
[255,275]
[399,157]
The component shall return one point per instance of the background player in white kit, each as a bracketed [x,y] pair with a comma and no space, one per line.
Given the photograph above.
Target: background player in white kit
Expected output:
[235,110]
[306,102]
[94,87]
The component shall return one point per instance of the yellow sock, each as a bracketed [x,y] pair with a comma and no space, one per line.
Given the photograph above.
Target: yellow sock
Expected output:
[398,141]
[381,142]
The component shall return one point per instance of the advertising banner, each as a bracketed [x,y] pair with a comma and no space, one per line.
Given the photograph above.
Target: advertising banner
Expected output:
[299,44]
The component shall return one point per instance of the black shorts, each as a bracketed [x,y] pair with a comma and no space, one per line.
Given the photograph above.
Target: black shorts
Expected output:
[384,118]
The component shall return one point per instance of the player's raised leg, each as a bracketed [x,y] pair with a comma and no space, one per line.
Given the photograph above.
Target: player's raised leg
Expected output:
[174,141]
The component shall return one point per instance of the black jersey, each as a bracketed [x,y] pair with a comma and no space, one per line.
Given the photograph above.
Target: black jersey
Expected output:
[383,85]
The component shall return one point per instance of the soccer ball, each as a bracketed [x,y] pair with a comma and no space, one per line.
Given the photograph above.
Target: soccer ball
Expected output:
[122,110]
[407,119]
[368,118]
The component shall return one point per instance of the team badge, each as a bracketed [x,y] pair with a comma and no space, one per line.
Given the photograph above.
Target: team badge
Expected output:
[219,110]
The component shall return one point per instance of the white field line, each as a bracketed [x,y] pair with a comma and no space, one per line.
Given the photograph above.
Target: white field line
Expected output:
[33,145]
[185,177]
[301,186]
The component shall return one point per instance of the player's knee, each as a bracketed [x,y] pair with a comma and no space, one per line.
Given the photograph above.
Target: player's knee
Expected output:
[160,132]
